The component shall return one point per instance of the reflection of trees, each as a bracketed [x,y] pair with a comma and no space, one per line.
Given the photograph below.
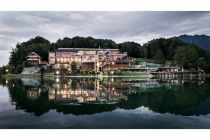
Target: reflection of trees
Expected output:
[18,94]
[186,99]
[73,85]
[183,100]
[85,109]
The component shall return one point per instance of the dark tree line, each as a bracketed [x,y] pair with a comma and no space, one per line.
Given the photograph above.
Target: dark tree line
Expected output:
[162,47]
[133,49]
[186,55]
[84,42]
[159,50]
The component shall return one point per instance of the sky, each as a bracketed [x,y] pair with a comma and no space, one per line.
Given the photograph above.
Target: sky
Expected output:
[119,26]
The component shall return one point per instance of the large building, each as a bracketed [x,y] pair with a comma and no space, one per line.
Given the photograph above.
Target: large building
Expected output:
[89,58]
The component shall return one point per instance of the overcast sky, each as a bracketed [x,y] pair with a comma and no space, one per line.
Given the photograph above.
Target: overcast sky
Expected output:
[118,26]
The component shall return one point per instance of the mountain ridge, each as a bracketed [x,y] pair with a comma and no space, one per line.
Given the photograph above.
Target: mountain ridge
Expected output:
[202,41]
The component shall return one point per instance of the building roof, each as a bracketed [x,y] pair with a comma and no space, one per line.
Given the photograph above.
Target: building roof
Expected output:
[33,53]
[85,49]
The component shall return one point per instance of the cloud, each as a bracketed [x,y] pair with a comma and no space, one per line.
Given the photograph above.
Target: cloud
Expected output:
[119,26]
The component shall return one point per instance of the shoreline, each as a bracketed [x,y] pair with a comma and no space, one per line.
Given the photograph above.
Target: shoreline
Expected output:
[52,76]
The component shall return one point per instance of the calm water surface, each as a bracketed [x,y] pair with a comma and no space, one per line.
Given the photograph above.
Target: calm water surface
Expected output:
[104,103]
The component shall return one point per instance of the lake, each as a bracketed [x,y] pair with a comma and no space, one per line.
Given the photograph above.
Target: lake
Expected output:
[104,103]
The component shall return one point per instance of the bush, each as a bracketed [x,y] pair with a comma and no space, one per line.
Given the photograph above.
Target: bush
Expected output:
[93,72]
[97,73]
[49,69]
[119,72]
[83,72]
[19,69]
[89,72]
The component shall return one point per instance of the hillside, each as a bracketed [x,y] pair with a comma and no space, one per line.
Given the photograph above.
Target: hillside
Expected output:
[202,41]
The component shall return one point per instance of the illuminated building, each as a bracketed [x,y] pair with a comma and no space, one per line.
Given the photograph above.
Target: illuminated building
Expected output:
[88,58]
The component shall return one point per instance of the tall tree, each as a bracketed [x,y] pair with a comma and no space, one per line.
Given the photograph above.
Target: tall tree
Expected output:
[186,57]
[63,71]
[133,49]
[204,63]
[160,57]
[73,67]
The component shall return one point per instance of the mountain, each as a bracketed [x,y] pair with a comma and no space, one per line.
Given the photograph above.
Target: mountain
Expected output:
[202,41]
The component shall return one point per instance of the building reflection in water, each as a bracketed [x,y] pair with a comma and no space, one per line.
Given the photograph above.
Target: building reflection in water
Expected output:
[94,90]
[83,91]
[34,93]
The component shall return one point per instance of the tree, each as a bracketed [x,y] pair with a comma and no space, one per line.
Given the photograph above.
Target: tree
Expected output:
[2,70]
[63,71]
[73,67]
[204,63]
[19,54]
[19,69]
[41,71]
[85,42]
[133,49]
[73,85]
[159,57]
[186,57]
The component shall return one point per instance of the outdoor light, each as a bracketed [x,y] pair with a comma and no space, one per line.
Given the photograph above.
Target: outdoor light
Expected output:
[57,80]
[57,72]
[112,79]
[112,72]
[7,70]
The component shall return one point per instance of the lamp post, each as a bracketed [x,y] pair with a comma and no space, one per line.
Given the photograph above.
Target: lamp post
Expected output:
[132,63]
[97,65]
[7,71]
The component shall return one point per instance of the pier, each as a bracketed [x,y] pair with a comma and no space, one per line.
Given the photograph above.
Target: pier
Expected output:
[180,75]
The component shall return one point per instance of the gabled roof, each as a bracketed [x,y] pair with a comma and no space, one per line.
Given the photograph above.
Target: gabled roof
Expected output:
[33,53]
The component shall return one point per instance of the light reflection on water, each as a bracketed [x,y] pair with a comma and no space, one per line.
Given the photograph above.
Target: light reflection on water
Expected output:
[113,102]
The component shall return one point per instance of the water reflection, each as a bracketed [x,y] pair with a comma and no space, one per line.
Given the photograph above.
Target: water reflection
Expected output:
[83,91]
[81,96]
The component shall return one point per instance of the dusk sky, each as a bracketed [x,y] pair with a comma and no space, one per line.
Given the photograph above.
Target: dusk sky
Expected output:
[118,26]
